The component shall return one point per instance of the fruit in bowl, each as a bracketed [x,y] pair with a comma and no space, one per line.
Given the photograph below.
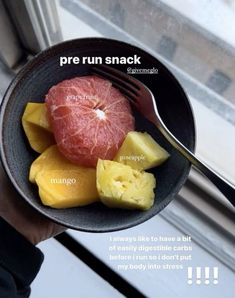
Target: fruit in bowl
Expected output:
[120,186]
[61,183]
[89,117]
[89,149]
[141,151]
[36,126]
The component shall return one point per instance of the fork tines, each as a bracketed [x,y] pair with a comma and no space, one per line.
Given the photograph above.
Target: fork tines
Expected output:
[119,79]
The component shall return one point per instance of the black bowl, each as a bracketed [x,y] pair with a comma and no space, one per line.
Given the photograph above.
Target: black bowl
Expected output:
[34,81]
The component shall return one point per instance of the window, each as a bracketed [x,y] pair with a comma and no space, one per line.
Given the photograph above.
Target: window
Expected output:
[219,82]
[188,37]
[163,24]
[167,47]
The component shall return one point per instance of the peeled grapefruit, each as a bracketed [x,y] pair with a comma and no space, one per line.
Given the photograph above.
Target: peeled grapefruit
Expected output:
[89,117]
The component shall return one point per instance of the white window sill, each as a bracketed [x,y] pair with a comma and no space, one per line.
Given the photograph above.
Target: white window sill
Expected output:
[166,283]
[64,275]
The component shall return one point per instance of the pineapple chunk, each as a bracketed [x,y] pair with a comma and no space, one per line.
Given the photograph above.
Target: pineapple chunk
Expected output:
[37,127]
[140,151]
[119,186]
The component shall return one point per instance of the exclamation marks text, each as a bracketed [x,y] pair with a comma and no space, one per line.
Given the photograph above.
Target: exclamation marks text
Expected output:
[190,275]
[207,275]
[216,275]
[199,275]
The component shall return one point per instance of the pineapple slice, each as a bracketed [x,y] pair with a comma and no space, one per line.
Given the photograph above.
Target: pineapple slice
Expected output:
[119,186]
[37,127]
[140,151]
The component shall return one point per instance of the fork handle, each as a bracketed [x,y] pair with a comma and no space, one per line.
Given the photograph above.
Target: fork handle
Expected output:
[225,187]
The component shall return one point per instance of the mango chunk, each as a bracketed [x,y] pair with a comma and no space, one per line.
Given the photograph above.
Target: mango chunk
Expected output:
[61,183]
[140,151]
[36,113]
[36,127]
[67,188]
[39,139]
[50,159]
[120,186]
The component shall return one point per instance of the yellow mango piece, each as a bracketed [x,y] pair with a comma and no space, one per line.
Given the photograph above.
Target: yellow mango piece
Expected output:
[67,188]
[120,186]
[37,127]
[61,183]
[36,113]
[141,152]
[39,139]
[50,159]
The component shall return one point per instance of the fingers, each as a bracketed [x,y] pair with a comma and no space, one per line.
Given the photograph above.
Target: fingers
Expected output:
[26,220]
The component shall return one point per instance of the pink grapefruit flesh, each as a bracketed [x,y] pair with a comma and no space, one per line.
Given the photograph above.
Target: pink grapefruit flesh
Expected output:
[89,117]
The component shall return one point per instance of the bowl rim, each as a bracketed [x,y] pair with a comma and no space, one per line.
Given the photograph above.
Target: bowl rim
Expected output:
[23,74]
